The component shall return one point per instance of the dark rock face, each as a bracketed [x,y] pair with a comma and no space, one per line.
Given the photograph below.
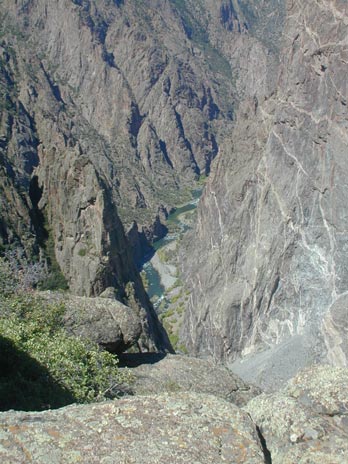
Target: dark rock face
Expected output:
[268,265]
[114,114]
[104,118]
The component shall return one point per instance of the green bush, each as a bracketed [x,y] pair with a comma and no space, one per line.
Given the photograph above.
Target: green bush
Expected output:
[54,281]
[176,298]
[174,339]
[43,366]
[82,252]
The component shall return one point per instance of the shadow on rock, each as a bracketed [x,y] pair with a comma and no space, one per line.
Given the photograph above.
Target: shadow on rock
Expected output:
[138,359]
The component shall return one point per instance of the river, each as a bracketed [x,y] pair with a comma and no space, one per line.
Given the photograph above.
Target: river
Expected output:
[161,275]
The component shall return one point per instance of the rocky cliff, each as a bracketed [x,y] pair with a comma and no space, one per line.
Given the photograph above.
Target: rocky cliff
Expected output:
[268,266]
[109,112]
[115,106]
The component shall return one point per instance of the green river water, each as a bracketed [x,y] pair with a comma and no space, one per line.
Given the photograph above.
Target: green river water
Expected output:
[155,287]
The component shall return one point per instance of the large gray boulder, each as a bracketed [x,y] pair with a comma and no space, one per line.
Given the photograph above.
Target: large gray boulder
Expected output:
[177,429]
[105,321]
[306,422]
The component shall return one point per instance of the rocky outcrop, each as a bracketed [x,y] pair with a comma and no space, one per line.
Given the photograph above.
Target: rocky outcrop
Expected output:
[104,320]
[308,420]
[185,374]
[267,269]
[185,427]
[65,211]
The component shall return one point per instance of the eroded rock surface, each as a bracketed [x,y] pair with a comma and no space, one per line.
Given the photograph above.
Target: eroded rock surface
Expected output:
[182,373]
[108,112]
[307,422]
[109,323]
[181,428]
[335,332]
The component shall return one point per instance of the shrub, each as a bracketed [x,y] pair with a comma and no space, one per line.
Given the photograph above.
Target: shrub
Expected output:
[55,280]
[82,252]
[52,368]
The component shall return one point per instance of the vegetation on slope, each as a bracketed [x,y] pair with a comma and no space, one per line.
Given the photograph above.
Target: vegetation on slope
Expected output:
[41,365]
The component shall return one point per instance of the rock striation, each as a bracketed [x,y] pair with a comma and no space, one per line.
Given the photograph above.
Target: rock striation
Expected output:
[267,269]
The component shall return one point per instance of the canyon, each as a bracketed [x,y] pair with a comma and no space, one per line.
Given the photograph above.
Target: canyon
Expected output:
[112,115]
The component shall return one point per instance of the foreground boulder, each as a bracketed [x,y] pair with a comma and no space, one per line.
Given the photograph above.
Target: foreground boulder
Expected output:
[181,373]
[307,422]
[182,428]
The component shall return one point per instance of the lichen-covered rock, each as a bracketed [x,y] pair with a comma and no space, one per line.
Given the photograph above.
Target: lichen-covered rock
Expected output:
[178,429]
[181,373]
[307,422]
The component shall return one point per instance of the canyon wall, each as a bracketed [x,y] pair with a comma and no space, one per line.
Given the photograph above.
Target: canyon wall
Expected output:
[267,269]
[109,112]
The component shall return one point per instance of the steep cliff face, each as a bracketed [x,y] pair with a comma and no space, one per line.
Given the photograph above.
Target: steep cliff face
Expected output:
[268,267]
[109,110]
